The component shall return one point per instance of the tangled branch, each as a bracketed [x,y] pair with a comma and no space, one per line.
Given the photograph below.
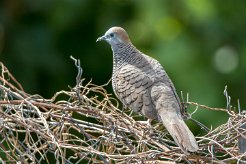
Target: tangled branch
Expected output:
[87,124]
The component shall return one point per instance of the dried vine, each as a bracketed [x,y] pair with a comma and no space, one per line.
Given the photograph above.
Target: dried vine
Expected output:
[87,125]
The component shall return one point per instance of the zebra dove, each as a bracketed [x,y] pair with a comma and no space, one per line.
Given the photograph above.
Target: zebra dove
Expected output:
[141,83]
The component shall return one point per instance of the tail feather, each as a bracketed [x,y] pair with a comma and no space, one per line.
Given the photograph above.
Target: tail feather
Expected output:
[168,110]
[180,133]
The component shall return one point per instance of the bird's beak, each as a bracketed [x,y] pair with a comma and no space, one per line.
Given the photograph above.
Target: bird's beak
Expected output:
[101,38]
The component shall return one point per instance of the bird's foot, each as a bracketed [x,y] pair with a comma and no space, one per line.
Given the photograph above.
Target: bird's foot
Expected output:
[146,123]
[147,126]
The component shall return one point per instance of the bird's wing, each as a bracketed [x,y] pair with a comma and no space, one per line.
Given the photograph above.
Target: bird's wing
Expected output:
[163,78]
[132,87]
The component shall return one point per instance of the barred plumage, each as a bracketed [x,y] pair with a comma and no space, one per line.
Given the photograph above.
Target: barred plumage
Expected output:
[141,84]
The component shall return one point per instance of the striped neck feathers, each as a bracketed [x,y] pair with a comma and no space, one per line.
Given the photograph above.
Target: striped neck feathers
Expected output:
[123,54]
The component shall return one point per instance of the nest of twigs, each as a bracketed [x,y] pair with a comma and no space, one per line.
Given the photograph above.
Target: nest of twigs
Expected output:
[86,124]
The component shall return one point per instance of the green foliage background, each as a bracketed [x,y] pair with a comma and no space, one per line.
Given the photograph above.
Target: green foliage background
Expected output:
[201,44]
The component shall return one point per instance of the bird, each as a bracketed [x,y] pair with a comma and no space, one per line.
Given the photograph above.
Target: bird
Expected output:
[141,84]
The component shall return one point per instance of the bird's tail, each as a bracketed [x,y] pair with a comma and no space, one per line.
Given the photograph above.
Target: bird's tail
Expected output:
[169,113]
[179,131]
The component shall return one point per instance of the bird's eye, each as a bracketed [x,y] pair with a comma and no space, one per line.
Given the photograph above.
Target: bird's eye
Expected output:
[111,34]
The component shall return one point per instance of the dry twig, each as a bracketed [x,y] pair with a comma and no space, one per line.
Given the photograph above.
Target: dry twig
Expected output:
[89,126]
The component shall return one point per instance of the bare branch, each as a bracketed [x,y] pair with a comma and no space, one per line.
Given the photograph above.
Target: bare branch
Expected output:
[88,125]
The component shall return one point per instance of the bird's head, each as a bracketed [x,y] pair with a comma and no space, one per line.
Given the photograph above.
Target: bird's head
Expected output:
[115,36]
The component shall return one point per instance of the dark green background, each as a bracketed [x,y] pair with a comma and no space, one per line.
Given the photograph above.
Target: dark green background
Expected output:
[200,43]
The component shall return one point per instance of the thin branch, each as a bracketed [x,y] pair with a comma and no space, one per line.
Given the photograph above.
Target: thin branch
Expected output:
[89,126]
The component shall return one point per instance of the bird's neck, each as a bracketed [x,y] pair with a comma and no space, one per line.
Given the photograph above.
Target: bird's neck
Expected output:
[123,54]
